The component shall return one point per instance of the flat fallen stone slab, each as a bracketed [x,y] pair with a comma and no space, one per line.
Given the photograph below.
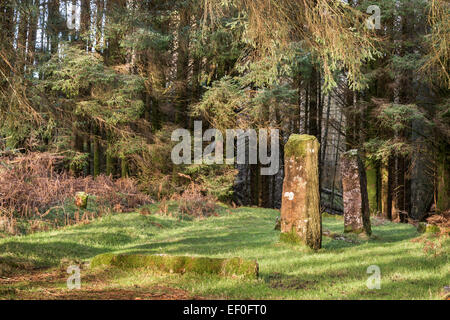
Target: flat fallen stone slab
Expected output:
[229,267]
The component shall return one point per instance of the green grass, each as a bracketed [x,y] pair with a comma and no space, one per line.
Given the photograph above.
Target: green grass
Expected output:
[337,271]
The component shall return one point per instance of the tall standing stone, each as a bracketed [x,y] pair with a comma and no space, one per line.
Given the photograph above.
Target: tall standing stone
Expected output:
[356,200]
[301,221]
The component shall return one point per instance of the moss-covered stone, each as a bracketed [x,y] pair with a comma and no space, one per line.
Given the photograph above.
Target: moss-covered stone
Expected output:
[278,224]
[235,267]
[298,144]
[301,221]
[431,228]
[350,229]
[422,227]
[81,200]
[240,267]
[427,228]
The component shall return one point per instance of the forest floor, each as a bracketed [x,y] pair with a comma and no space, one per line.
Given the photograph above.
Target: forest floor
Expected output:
[413,266]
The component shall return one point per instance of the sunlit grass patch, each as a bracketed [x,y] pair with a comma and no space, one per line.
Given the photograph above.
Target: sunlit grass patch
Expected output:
[337,271]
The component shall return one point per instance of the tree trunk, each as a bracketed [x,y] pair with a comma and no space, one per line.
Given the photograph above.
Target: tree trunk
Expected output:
[100,6]
[97,157]
[182,66]
[6,33]
[443,181]
[32,34]
[110,164]
[124,167]
[53,25]
[313,105]
[85,23]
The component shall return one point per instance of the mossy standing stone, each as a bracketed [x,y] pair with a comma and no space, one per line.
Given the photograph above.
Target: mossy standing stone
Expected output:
[301,221]
[356,200]
[424,227]
[431,228]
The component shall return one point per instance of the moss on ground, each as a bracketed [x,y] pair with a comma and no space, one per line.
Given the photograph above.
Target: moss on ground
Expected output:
[424,227]
[349,229]
[234,267]
[329,215]
[290,237]
[432,229]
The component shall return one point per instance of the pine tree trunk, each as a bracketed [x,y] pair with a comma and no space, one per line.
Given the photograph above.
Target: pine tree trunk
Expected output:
[371,173]
[113,54]
[110,165]
[32,34]
[22,37]
[85,23]
[182,67]
[97,157]
[255,184]
[124,167]
[313,105]
[325,136]
[53,25]
[100,7]
[86,150]
[443,181]
[6,33]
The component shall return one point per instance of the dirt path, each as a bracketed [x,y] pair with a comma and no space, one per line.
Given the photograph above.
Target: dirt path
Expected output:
[50,285]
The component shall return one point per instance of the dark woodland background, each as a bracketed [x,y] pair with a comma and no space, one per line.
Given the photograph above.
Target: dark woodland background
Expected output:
[106,95]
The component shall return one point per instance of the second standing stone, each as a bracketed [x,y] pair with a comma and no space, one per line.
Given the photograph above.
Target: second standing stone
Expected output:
[356,200]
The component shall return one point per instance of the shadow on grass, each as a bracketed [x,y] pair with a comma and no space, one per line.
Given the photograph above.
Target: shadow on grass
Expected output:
[403,277]
[143,223]
[428,288]
[49,254]
[284,281]
[206,244]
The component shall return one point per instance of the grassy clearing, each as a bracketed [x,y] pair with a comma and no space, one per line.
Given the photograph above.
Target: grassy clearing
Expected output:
[337,271]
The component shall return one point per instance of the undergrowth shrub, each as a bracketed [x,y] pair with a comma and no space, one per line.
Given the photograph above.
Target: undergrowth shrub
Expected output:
[157,176]
[161,179]
[34,187]
[193,203]
[196,203]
